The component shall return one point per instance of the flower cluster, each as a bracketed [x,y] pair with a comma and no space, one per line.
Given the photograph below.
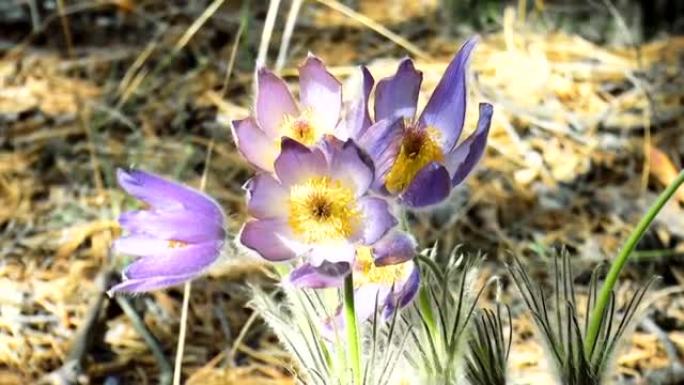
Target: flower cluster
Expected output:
[332,176]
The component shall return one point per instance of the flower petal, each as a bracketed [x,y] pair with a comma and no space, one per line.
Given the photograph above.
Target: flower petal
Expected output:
[377,219]
[445,111]
[266,237]
[148,284]
[403,293]
[182,260]
[163,194]
[431,185]
[266,198]
[254,145]
[273,102]
[352,166]
[357,119]
[328,275]
[397,96]
[297,162]
[366,299]
[382,142]
[395,247]
[333,252]
[321,92]
[179,225]
[463,159]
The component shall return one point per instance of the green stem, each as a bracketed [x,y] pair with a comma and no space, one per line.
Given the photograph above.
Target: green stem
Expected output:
[596,318]
[351,326]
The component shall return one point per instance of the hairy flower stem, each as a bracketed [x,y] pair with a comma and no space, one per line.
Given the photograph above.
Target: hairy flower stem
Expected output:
[596,318]
[351,326]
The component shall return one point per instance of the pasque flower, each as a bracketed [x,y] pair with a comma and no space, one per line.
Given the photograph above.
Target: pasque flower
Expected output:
[384,275]
[418,159]
[315,205]
[178,235]
[277,114]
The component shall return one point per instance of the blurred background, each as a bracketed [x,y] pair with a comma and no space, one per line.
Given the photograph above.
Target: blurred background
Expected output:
[588,128]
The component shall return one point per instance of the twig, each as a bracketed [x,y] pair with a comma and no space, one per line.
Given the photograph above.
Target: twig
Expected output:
[377,27]
[233,54]
[178,365]
[241,336]
[266,33]
[287,33]
[165,368]
[65,28]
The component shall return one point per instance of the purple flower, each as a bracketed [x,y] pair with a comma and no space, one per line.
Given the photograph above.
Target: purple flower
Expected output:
[315,205]
[418,159]
[277,114]
[177,237]
[384,275]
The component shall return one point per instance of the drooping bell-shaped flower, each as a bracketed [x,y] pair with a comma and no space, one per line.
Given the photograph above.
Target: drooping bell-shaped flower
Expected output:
[418,158]
[384,275]
[315,205]
[278,115]
[177,237]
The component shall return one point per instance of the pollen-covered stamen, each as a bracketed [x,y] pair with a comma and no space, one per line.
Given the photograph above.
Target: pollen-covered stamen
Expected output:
[366,272]
[303,128]
[322,209]
[419,147]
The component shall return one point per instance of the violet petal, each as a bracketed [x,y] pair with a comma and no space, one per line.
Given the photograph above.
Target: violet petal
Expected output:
[430,186]
[382,142]
[266,237]
[321,92]
[445,111]
[179,225]
[164,194]
[266,198]
[259,149]
[463,159]
[148,284]
[181,260]
[273,102]
[357,118]
[333,252]
[395,247]
[397,96]
[352,166]
[308,276]
[404,292]
[297,163]
[377,219]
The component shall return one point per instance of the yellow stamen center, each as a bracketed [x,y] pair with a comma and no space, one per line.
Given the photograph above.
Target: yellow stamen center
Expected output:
[304,128]
[365,270]
[321,210]
[418,149]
